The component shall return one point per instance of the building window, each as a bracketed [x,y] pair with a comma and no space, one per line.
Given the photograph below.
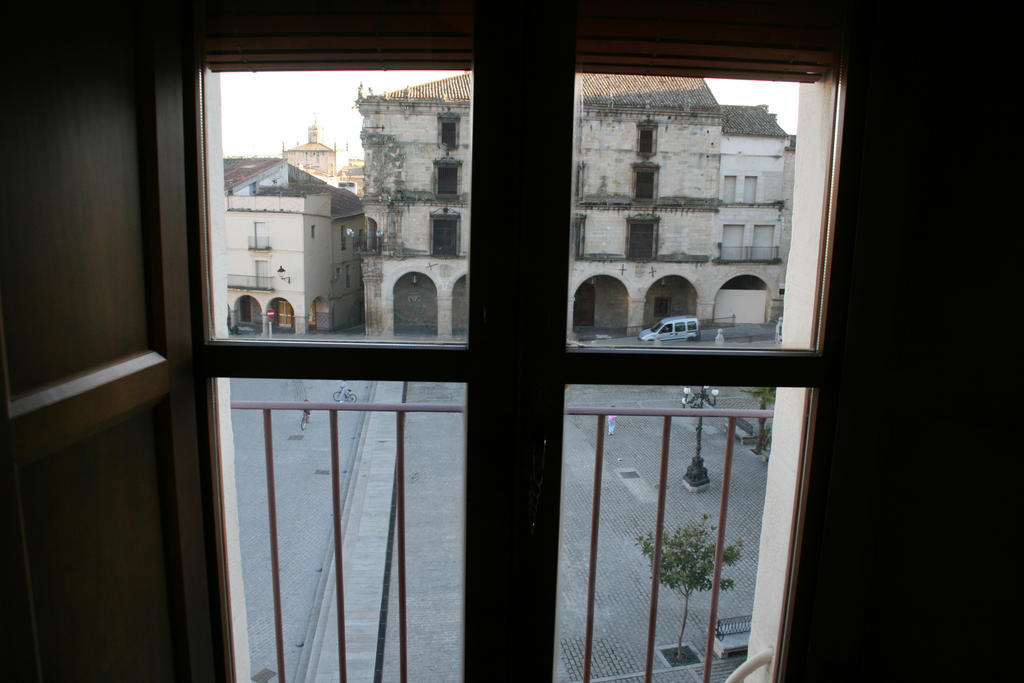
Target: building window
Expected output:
[644,183]
[347,281]
[729,189]
[642,240]
[749,189]
[448,131]
[578,236]
[646,141]
[447,179]
[344,242]
[312,232]
[444,235]
[662,305]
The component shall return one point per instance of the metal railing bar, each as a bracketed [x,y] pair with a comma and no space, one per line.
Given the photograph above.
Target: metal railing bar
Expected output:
[595,517]
[268,448]
[367,407]
[400,528]
[716,582]
[339,583]
[659,526]
[669,412]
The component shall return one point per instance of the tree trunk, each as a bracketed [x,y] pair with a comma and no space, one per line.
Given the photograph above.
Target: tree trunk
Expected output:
[760,433]
[679,643]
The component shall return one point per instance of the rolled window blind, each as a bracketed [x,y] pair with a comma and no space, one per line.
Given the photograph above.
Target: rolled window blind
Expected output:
[795,40]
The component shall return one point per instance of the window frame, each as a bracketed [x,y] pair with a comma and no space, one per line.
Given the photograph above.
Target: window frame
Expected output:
[456,166]
[651,127]
[638,220]
[645,167]
[513,546]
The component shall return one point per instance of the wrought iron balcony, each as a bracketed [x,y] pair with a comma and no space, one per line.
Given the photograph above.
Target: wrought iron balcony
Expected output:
[748,254]
[260,282]
[259,242]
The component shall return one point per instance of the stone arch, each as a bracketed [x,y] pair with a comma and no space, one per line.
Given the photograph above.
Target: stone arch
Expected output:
[415,305]
[460,308]
[600,305]
[669,295]
[247,315]
[284,315]
[318,318]
[743,299]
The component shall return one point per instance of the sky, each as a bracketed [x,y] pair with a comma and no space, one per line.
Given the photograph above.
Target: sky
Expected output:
[262,111]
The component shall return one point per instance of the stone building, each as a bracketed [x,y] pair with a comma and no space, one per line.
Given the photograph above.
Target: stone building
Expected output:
[680,206]
[416,197]
[314,155]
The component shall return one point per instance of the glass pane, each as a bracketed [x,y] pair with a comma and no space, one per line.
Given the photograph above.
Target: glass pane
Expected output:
[315,174]
[761,466]
[688,190]
[427,511]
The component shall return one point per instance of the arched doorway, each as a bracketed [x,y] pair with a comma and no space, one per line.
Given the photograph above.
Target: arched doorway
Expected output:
[743,299]
[415,307]
[600,306]
[318,319]
[247,316]
[668,296]
[284,316]
[460,308]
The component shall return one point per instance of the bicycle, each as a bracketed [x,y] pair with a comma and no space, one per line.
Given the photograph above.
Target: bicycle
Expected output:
[345,394]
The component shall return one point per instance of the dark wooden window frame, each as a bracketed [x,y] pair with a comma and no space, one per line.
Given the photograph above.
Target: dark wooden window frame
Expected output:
[512,543]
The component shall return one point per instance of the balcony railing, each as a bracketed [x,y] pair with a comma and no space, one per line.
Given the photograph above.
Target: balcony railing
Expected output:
[259,242]
[261,282]
[401,409]
[749,254]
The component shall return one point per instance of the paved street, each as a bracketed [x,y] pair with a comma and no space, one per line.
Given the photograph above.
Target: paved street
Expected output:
[434,489]
[303,485]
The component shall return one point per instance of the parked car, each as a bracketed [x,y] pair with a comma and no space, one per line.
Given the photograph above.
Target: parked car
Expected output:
[679,327]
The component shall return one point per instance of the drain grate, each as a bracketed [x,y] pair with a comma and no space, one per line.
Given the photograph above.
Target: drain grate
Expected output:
[264,676]
[629,474]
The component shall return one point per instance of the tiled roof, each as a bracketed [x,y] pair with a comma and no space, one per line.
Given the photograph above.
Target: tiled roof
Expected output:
[243,169]
[750,120]
[343,202]
[451,89]
[657,92]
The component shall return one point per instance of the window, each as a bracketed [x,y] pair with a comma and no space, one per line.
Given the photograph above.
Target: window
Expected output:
[644,182]
[444,234]
[749,189]
[579,236]
[642,240]
[447,179]
[448,131]
[729,189]
[532,280]
[645,138]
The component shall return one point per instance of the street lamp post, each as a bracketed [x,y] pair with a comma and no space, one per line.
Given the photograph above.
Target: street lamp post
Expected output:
[696,477]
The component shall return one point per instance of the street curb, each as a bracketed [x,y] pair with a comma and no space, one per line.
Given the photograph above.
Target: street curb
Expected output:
[325,586]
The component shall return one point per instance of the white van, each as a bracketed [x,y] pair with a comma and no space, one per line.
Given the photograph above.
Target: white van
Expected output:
[678,327]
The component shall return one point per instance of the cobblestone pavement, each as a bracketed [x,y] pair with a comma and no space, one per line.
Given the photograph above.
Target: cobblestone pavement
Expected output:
[303,487]
[435,539]
[435,542]
[628,508]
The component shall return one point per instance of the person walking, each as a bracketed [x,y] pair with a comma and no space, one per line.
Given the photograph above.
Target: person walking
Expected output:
[611,424]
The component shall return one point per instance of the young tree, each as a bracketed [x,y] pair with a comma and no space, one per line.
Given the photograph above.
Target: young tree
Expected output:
[688,562]
[765,397]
